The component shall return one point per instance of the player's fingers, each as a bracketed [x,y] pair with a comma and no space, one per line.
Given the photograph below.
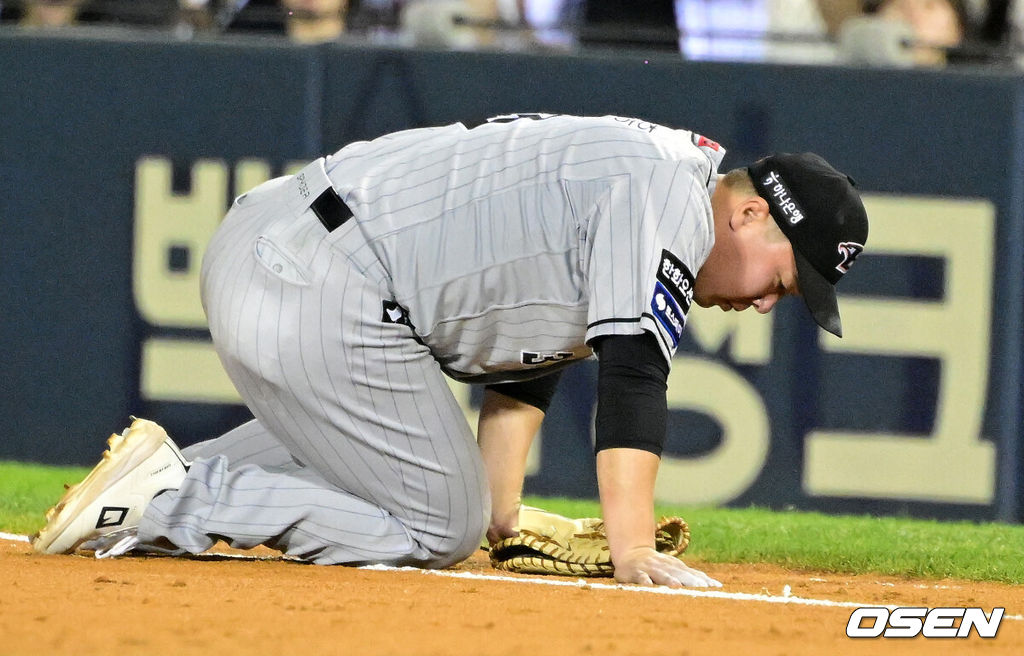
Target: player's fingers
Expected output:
[643,578]
[695,578]
[632,573]
[667,576]
[660,569]
[706,581]
[671,573]
[692,580]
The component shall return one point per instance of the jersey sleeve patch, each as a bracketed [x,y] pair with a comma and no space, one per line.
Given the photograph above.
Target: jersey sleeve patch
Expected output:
[677,280]
[701,141]
[673,296]
[667,312]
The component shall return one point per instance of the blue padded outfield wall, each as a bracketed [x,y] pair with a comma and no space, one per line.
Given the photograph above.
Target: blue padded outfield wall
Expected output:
[118,159]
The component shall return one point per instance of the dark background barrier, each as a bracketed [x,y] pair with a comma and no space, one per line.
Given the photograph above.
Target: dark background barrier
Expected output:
[118,158]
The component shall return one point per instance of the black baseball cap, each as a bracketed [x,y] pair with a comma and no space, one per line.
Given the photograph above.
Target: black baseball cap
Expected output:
[821,213]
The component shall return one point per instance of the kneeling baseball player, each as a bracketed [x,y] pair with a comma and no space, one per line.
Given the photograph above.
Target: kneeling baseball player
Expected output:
[339,298]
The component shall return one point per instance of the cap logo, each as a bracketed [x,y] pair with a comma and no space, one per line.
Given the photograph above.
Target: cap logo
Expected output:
[783,198]
[849,250]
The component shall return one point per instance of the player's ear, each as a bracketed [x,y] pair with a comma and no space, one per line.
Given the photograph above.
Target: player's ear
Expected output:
[749,210]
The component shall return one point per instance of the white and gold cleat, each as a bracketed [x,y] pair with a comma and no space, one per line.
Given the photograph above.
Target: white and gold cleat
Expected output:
[138,464]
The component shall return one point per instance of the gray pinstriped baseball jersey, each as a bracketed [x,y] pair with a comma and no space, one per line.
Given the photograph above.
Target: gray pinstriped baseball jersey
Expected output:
[530,236]
[487,254]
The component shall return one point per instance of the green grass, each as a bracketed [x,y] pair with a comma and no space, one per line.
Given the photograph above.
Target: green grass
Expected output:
[842,544]
[26,491]
[792,539]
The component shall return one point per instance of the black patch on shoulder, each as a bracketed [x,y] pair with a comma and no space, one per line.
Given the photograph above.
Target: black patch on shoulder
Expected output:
[677,279]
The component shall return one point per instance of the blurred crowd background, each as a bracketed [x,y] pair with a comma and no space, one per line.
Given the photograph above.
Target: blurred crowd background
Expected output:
[904,33]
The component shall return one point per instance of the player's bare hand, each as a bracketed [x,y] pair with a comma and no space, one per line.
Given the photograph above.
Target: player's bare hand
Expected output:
[504,524]
[645,566]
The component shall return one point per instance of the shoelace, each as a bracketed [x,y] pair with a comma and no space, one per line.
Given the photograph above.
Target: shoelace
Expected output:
[117,543]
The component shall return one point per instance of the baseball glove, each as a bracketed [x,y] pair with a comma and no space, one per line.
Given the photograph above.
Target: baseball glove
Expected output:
[549,543]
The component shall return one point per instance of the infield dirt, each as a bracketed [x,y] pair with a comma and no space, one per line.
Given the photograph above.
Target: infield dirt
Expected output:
[155,606]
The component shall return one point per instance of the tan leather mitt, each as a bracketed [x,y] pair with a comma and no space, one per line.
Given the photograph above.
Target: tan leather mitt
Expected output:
[549,543]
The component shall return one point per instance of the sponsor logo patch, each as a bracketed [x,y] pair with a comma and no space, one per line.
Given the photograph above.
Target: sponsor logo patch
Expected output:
[677,279]
[667,312]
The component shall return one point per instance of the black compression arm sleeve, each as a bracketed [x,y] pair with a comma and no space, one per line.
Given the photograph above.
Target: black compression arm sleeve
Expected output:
[631,383]
[536,391]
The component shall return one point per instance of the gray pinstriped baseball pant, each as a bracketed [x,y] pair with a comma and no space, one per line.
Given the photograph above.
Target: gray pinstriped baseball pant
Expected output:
[359,453]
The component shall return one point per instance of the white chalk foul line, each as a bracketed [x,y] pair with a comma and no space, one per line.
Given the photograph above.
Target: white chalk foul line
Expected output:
[785,598]
[589,585]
